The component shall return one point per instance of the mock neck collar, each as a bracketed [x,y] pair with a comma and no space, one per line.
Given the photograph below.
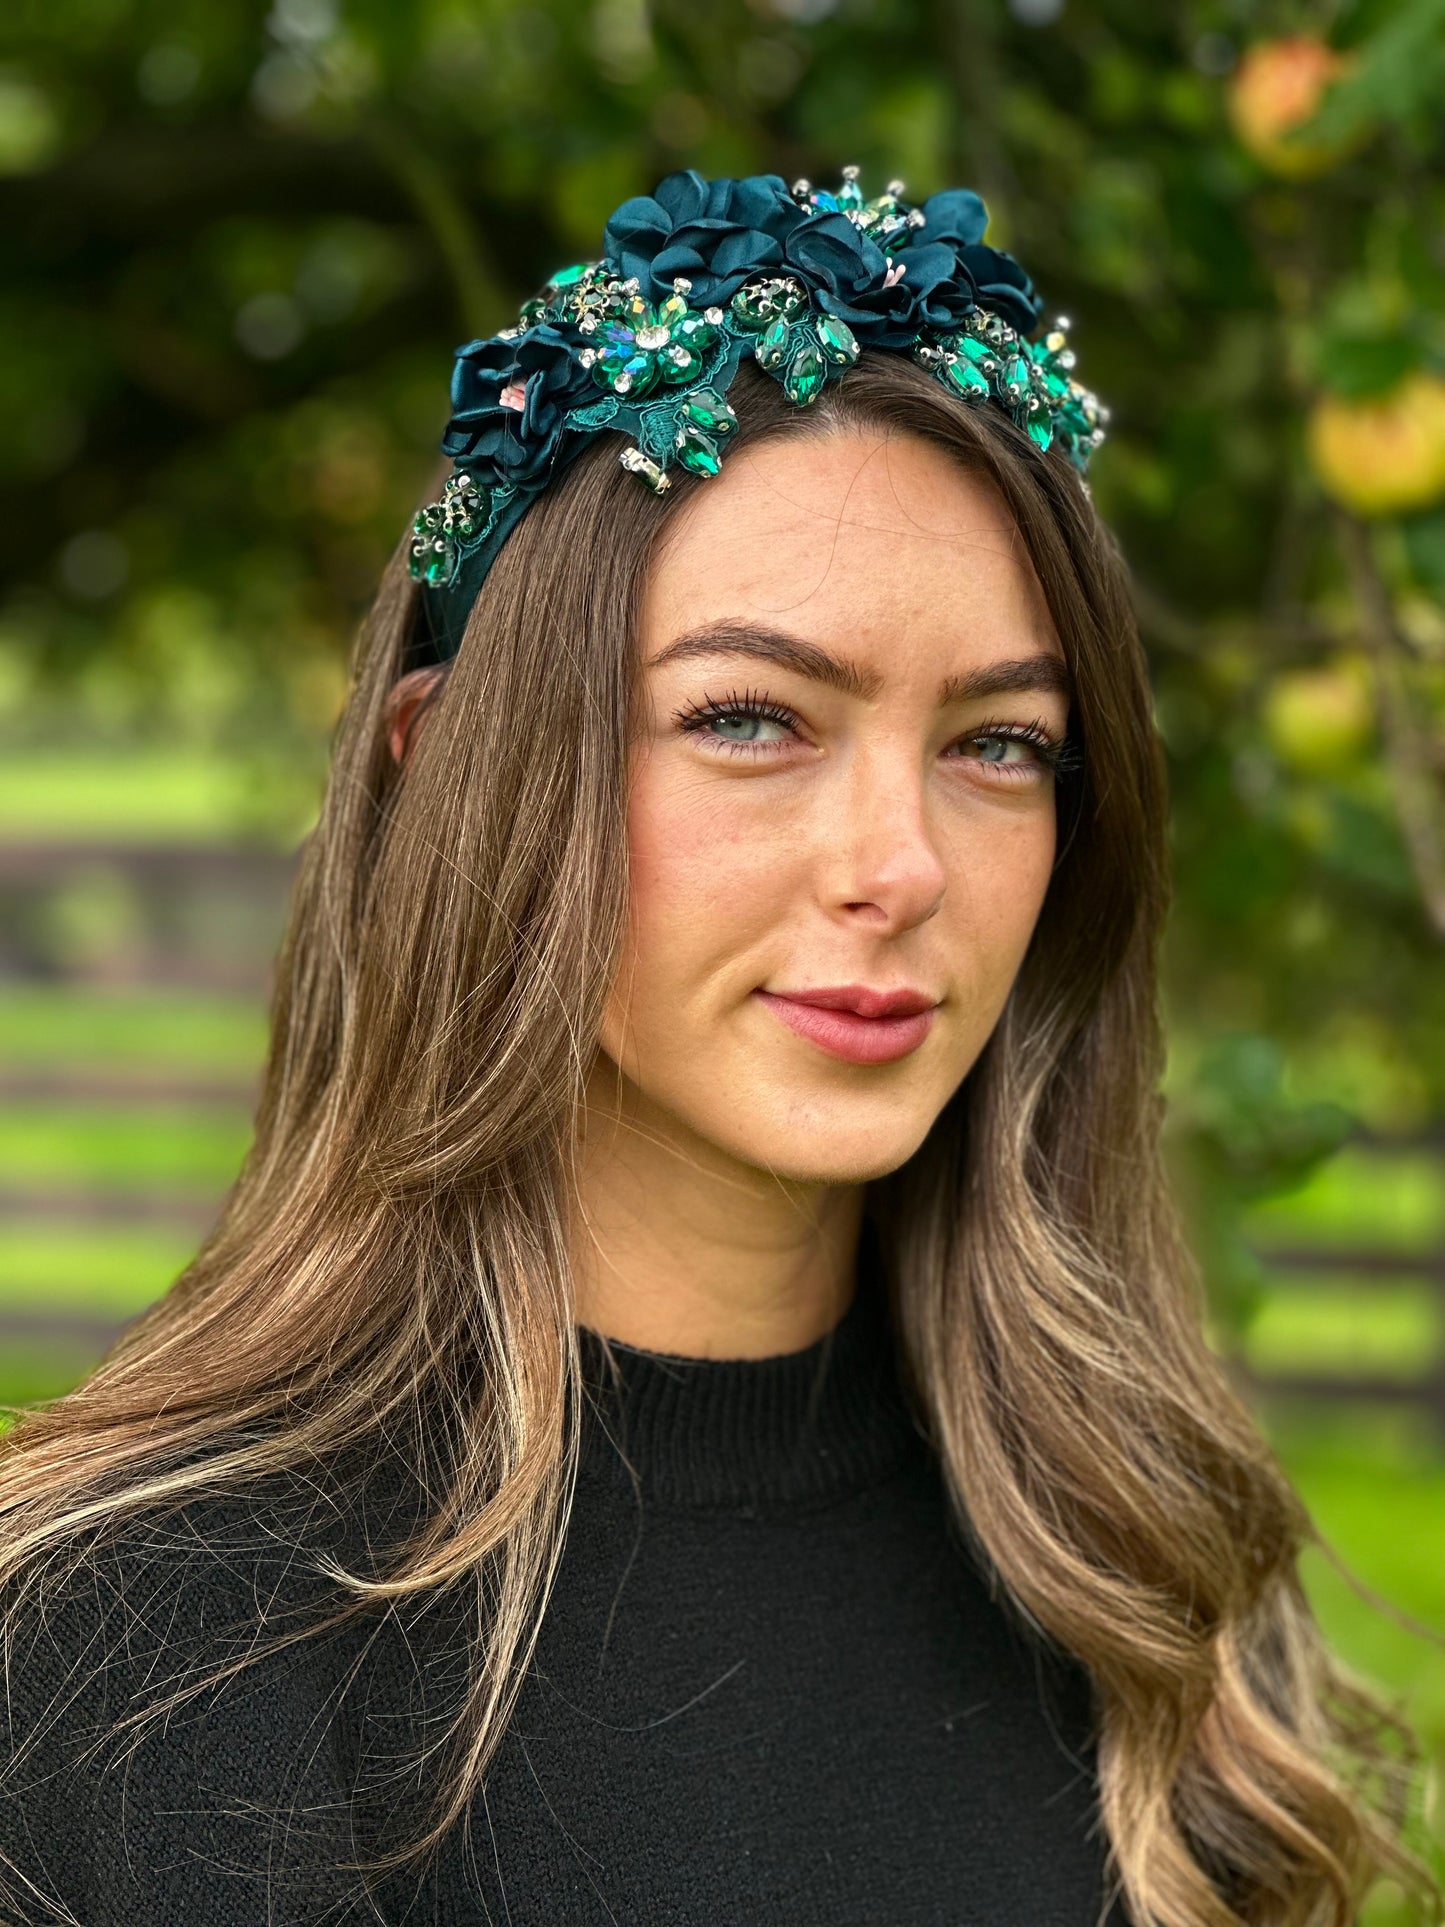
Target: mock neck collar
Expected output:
[749,1435]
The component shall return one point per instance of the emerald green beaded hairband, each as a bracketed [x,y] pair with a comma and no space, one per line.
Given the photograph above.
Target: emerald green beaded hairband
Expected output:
[693,278]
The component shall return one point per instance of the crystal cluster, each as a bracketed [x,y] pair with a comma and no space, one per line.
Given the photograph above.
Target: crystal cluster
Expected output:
[444,530]
[632,350]
[987,360]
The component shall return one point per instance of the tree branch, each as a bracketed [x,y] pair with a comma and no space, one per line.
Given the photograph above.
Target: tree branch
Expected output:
[1409,752]
[484,305]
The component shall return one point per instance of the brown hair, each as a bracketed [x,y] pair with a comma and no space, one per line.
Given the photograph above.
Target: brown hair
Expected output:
[393,1260]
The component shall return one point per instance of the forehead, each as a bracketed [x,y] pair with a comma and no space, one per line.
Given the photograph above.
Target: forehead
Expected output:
[856,533]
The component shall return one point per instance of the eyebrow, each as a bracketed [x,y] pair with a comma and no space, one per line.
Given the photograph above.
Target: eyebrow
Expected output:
[1046,673]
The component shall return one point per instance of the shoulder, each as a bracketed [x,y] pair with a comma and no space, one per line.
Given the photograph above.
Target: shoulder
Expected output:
[172,1711]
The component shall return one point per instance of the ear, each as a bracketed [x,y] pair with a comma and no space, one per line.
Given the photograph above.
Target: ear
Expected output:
[405,699]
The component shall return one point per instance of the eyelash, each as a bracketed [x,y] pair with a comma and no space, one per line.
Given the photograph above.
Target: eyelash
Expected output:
[1058,758]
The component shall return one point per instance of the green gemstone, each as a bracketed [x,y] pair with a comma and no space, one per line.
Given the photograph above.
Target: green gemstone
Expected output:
[564,277]
[850,195]
[751,308]
[672,311]
[698,452]
[1040,431]
[970,382]
[772,346]
[1016,377]
[804,380]
[678,364]
[435,568]
[978,352]
[706,408]
[697,333]
[836,338]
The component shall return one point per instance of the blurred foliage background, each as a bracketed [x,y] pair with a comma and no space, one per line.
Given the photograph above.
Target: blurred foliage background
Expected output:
[240,246]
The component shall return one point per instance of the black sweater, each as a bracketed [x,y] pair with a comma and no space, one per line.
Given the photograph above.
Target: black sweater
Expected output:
[773,1690]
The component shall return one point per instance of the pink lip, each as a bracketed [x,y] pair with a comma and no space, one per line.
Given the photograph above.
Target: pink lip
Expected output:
[837,1028]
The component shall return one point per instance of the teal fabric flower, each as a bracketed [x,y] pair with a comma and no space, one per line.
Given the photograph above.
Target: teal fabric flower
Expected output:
[509,397]
[716,233]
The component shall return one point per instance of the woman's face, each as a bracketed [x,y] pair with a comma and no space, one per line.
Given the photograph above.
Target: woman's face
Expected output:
[826,796]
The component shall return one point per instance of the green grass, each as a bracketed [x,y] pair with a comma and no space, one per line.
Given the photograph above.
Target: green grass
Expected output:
[107,1147]
[30,1372]
[1374,1482]
[1347,1327]
[158,794]
[155,1032]
[1361,1196]
[108,1271]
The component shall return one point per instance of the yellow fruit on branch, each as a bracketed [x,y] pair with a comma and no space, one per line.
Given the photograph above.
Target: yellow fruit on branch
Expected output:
[1382,454]
[1278,85]
[1321,720]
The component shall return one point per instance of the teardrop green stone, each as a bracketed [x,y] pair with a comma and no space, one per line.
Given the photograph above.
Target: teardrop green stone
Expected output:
[1041,431]
[804,379]
[678,364]
[695,332]
[836,338]
[698,452]
[773,344]
[1016,377]
[970,382]
[708,409]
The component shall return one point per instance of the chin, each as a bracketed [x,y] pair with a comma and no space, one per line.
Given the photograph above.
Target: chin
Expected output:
[828,1154]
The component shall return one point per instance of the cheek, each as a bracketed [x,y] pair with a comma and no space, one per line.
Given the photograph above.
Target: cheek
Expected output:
[709,880]
[998,877]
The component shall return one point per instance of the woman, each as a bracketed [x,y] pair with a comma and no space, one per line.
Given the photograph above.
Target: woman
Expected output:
[696,1409]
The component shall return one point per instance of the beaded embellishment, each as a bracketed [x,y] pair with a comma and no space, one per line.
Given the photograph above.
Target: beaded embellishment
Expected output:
[592,351]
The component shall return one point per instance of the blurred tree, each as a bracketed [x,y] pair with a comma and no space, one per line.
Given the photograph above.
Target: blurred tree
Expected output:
[241,244]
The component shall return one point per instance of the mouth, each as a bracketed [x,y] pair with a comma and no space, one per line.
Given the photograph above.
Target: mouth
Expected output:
[859,1025]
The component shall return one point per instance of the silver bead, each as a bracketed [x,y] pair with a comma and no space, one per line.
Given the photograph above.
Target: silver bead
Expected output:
[851,172]
[643,465]
[801,186]
[681,284]
[895,188]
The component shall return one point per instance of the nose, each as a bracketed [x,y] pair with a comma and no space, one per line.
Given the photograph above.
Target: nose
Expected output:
[882,861]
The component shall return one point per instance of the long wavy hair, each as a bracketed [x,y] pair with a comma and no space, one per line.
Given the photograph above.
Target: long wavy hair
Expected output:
[393,1258]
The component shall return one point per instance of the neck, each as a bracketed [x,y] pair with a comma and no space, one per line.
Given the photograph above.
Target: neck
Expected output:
[680,1247]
